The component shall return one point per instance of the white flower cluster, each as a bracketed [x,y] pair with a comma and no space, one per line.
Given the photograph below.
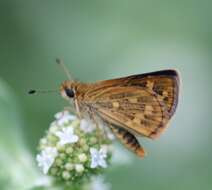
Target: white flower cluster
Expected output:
[74,148]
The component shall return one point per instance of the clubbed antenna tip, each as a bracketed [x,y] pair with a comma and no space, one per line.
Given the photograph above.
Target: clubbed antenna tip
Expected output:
[32,92]
[58,61]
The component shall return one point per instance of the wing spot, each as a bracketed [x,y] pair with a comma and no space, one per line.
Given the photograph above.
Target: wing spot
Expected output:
[165,93]
[133,100]
[150,85]
[148,110]
[137,120]
[115,104]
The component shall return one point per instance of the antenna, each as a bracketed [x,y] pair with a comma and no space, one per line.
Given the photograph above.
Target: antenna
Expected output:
[66,71]
[41,91]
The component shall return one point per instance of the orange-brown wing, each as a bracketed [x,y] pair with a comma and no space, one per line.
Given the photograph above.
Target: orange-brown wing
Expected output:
[142,104]
[140,112]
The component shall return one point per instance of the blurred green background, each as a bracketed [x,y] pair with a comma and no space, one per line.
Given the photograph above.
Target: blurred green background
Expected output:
[101,40]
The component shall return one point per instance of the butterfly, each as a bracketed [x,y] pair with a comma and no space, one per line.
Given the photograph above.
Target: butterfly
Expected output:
[132,106]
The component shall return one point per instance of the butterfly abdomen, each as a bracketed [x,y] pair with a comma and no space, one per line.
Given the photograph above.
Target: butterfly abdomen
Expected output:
[129,140]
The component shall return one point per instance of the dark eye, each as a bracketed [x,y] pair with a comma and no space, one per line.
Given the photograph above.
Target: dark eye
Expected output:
[69,92]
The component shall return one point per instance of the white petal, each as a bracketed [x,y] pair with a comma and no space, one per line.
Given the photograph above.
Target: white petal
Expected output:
[94,157]
[50,151]
[102,163]
[58,115]
[93,151]
[46,158]
[62,121]
[67,136]
[94,164]
[74,139]
[68,130]
[103,152]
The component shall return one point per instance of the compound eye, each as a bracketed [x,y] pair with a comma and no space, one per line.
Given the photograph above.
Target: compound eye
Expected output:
[69,92]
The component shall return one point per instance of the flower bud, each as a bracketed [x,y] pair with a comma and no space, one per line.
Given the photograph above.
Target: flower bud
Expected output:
[66,175]
[69,166]
[82,157]
[79,168]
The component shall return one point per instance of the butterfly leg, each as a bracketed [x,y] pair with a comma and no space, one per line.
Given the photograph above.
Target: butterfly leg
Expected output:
[76,105]
[128,140]
[100,129]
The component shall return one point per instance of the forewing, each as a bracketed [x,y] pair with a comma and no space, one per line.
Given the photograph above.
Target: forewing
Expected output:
[142,104]
[164,83]
[139,112]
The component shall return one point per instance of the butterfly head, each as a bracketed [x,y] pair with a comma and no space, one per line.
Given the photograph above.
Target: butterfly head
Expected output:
[67,89]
